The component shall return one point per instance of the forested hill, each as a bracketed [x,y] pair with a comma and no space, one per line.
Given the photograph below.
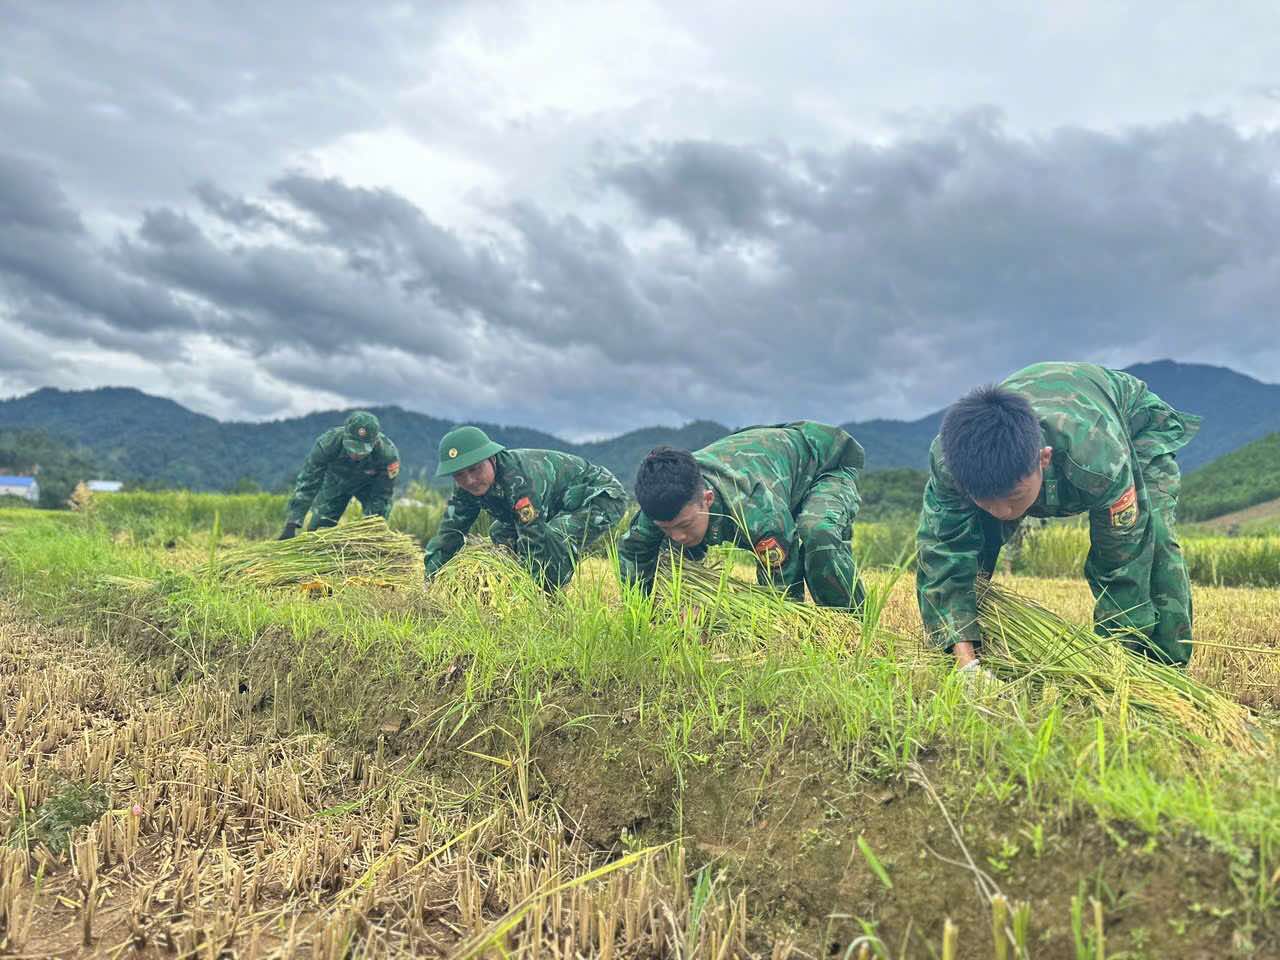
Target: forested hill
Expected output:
[1241,479]
[150,440]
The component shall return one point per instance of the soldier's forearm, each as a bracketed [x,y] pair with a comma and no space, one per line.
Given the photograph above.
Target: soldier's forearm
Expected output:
[433,560]
[440,549]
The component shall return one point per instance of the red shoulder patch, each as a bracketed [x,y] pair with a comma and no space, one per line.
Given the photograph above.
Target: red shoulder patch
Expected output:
[525,511]
[393,468]
[770,552]
[1124,512]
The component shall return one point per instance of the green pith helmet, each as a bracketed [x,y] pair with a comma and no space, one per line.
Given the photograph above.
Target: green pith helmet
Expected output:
[360,433]
[464,447]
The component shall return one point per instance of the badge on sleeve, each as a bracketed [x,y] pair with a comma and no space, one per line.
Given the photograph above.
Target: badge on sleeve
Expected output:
[526,512]
[1124,512]
[771,553]
[393,468]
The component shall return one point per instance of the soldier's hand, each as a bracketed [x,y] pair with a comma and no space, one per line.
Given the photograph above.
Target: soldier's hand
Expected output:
[290,529]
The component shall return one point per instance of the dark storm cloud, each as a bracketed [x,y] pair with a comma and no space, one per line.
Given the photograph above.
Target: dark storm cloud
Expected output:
[970,251]
[711,189]
[744,283]
[137,101]
[234,210]
[386,236]
[30,199]
[265,294]
[58,283]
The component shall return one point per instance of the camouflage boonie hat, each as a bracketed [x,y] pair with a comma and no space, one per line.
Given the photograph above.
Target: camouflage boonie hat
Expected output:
[360,432]
[464,447]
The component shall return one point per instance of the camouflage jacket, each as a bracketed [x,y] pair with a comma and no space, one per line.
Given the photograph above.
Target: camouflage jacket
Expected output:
[1102,425]
[530,487]
[759,476]
[328,461]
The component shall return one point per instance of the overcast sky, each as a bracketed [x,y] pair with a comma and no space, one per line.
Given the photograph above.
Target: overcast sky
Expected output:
[589,217]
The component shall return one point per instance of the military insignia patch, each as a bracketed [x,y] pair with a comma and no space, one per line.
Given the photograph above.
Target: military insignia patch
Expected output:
[453,453]
[526,512]
[1124,512]
[771,553]
[393,468]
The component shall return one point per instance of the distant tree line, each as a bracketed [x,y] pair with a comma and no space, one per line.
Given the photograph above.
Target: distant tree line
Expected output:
[57,466]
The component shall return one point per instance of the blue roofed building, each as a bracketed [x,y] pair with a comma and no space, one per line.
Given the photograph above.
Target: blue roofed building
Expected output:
[24,487]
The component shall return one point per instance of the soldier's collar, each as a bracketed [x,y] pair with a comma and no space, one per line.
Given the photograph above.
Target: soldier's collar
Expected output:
[1049,497]
[497,468]
[721,527]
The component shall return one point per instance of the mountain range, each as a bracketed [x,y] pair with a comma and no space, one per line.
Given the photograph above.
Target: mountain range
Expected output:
[150,440]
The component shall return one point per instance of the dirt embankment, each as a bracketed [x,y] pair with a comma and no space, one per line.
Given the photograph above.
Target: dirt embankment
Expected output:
[782,825]
[145,819]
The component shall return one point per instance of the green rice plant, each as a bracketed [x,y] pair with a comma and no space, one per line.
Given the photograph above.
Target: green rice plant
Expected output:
[874,863]
[419,510]
[732,614]
[1234,561]
[1054,550]
[1024,642]
[885,543]
[159,517]
[366,551]
[1060,549]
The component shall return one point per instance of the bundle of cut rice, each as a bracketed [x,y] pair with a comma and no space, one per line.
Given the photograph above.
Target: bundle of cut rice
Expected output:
[365,551]
[1024,642]
[485,574]
[733,611]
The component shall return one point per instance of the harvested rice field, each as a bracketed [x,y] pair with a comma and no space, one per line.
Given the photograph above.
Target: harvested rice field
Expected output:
[200,763]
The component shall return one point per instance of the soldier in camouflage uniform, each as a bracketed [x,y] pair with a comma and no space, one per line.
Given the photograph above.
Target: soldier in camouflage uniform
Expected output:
[1056,440]
[546,506]
[353,460]
[788,493]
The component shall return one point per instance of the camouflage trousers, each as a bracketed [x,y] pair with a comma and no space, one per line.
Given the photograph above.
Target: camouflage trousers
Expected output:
[569,535]
[822,558]
[332,499]
[1160,567]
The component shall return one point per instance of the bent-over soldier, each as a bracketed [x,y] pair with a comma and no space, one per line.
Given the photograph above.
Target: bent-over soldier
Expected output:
[546,506]
[788,493]
[1056,440]
[353,460]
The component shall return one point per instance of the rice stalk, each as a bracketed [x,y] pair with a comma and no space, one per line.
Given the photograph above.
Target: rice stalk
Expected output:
[486,575]
[733,612]
[1023,641]
[365,551]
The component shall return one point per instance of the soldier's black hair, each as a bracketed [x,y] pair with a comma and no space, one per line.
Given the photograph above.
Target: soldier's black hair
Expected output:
[991,441]
[666,481]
